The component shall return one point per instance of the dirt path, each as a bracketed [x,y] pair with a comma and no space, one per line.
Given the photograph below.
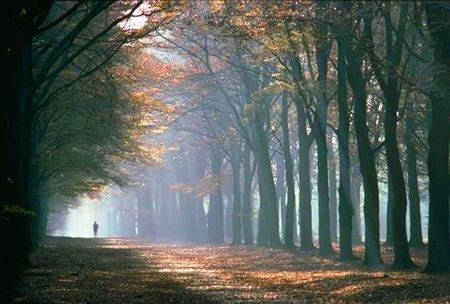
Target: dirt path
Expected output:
[67,270]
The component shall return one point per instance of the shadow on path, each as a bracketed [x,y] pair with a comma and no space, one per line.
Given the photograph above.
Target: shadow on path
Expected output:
[75,270]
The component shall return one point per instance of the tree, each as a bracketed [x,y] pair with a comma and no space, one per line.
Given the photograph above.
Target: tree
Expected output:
[354,57]
[391,88]
[437,16]
[346,211]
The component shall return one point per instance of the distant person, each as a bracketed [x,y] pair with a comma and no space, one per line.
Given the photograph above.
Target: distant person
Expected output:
[95,227]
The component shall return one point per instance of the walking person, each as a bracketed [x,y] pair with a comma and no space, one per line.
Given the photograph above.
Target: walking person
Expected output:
[95,227]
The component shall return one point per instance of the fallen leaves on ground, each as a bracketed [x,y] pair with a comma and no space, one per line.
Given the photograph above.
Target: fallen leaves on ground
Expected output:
[75,270]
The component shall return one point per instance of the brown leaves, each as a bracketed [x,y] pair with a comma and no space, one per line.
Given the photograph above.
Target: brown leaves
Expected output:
[132,271]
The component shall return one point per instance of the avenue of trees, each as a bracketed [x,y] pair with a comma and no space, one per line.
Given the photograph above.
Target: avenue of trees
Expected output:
[251,122]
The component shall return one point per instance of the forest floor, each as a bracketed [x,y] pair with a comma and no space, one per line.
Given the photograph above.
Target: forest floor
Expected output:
[76,270]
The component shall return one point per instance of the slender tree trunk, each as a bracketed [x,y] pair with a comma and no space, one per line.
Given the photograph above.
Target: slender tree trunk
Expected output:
[354,57]
[246,198]
[355,190]
[281,190]
[415,238]
[346,211]
[268,198]
[389,214]
[200,215]
[262,238]
[289,171]
[305,211]
[304,141]
[391,89]
[237,207]
[402,258]
[228,214]
[367,163]
[215,212]
[333,190]
[438,15]
[320,135]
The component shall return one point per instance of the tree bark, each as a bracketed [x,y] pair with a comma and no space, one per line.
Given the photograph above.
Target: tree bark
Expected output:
[438,16]
[333,190]
[281,190]
[320,135]
[346,210]
[246,198]
[415,238]
[355,191]
[237,213]
[389,214]
[356,80]
[304,141]
[215,212]
[289,174]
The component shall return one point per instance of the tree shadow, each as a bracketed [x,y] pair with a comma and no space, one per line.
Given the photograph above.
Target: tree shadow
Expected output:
[73,270]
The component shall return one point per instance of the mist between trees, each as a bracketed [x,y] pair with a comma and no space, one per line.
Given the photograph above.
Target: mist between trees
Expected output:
[269,123]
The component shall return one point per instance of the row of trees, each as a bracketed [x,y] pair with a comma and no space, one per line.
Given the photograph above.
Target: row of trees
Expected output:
[273,79]
[266,81]
[71,124]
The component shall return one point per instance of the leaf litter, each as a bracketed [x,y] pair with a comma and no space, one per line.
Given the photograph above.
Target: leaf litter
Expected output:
[119,270]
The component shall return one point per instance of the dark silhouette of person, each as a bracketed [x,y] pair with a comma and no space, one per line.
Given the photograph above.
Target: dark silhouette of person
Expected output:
[95,227]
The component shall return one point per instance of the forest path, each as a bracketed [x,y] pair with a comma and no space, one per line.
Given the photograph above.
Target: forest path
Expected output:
[76,270]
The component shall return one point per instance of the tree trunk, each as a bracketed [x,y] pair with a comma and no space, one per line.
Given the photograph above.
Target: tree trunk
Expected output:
[389,214]
[346,210]
[215,212]
[356,80]
[237,213]
[438,15]
[246,198]
[200,215]
[281,190]
[355,190]
[268,198]
[402,258]
[289,171]
[304,141]
[333,190]
[415,238]
[228,214]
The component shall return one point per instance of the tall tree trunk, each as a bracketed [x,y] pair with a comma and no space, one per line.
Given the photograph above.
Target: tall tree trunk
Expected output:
[438,16]
[237,207]
[346,210]
[320,134]
[389,214]
[200,215]
[268,198]
[215,212]
[333,190]
[356,80]
[15,120]
[355,191]
[304,141]
[289,171]
[415,235]
[354,57]
[391,89]
[246,198]
[305,210]
[281,190]
[402,258]
[228,214]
